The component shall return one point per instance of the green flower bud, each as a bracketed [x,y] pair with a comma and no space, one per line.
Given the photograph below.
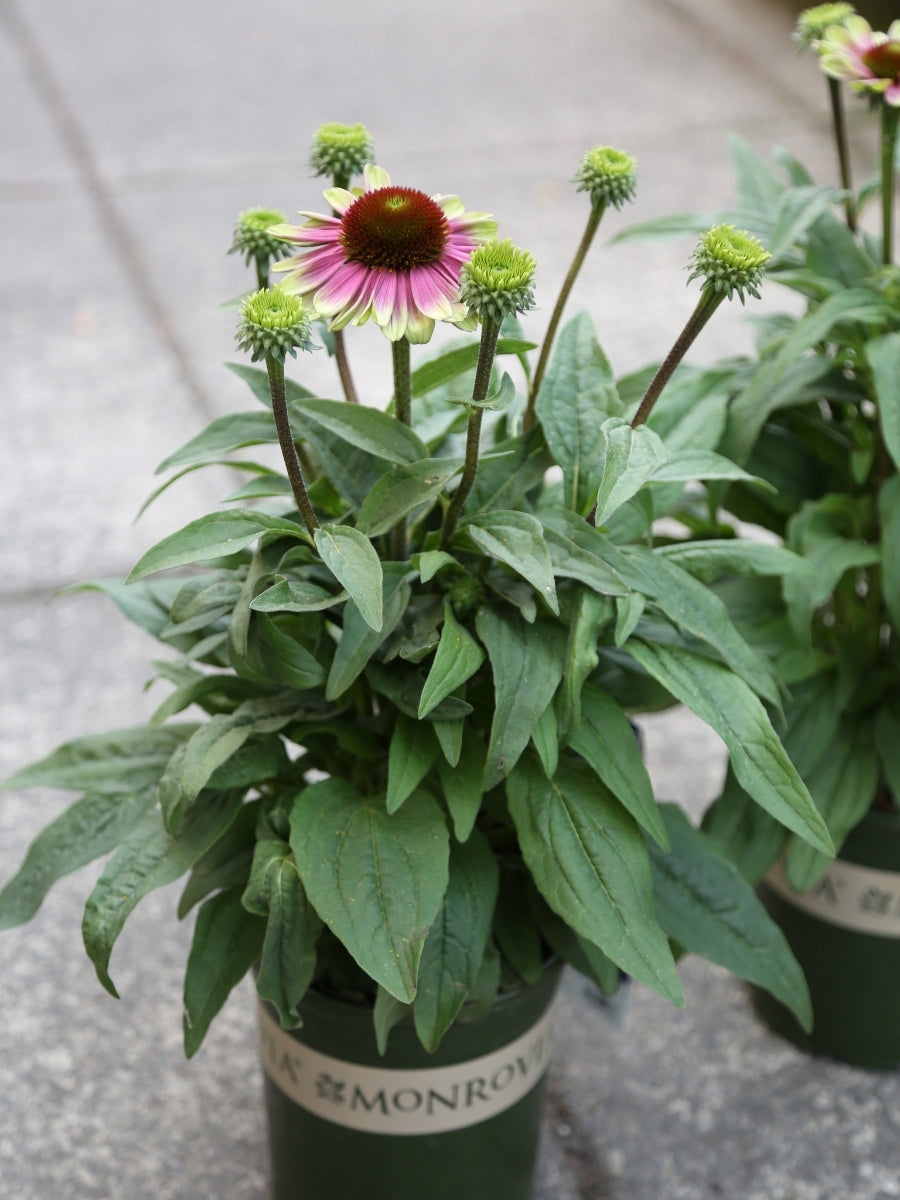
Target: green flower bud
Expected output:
[813,22]
[729,260]
[496,281]
[252,238]
[273,324]
[609,175]
[465,596]
[340,151]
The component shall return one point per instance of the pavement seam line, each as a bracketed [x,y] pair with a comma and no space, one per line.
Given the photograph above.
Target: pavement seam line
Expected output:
[113,224]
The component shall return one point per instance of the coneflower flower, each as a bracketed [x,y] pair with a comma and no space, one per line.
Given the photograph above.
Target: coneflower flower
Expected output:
[390,253]
[869,61]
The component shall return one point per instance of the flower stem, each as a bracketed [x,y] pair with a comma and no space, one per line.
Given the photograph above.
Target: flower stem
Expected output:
[839,123]
[403,412]
[890,116]
[490,332]
[707,304]
[343,366]
[262,275]
[593,223]
[275,370]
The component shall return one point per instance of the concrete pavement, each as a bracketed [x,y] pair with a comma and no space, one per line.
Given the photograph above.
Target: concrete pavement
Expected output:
[132,134]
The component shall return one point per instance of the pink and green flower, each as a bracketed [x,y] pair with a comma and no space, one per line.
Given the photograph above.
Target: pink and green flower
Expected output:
[390,253]
[867,59]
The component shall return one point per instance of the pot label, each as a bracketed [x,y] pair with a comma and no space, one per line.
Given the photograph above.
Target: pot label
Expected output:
[862,898]
[378,1100]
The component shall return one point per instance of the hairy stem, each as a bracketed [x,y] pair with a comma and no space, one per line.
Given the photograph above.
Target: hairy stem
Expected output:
[707,304]
[890,116]
[403,412]
[842,144]
[275,371]
[490,332]
[593,223]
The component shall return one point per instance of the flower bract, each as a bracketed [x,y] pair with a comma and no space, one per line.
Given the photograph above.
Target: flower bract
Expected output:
[341,150]
[729,260]
[496,281]
[390,253]
[609,175]
[813,23]
[272,325]
[868,60]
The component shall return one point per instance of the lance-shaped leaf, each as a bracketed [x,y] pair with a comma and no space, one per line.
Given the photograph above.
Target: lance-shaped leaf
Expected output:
[590,863]
[289,595]
[214,536]
[403,489]
[592,613]
[728,706]
[704,903]
[627,460]
[92,826]
[517,539]
[413,750]
[226,943]
[355,564]
[606,740]
[456,942]
[148,858]
[377,881]
[461,779]
[527,662]
[457,361]
[126,760]
[889,517]
[359,640]
[231,432]
[288,959]
[456,659]
[883,354]
[683,466]
[577,395]
[368,429]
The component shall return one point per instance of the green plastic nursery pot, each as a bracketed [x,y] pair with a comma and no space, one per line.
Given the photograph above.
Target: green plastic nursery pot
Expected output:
[346,1123]
[845,933]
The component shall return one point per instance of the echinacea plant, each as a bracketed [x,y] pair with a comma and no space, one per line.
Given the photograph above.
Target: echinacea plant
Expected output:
[397,762]
[817,414]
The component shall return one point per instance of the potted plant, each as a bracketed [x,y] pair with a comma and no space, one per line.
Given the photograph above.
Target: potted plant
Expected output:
[396,764]
[817,414]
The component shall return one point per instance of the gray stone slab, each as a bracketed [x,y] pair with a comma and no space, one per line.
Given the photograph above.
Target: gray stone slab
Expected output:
[509,73]
[92,403]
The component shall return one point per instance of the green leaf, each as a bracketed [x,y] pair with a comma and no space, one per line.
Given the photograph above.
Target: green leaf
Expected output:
[257,380]
[590,863]
[461,780]
[359,640]
[516,538]
[704,903]
[578,553]
[724,702]
[578,393]
[273,655]
[368,429]
[413,750]
[747,835]
[431,561]
[212,745]
[683,466]
[843,783]
[515,931]
[545,739]
[289,595]
[288,959]
[403,489]
[627,459]
[457,361]
[94,825]
[699,611]
[606,740]
[214,536]
[355,564]
[226,864]
[377,881]
[457,658]
[883,355]
[148,858]
[226,943]
[146,604]
[125,760]
[221,436]
[527,662]
[889,518]
[706,560]
[456,942]
[592,614]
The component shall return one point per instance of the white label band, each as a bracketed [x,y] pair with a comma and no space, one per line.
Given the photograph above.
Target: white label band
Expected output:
[861,898]
[378,1100]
